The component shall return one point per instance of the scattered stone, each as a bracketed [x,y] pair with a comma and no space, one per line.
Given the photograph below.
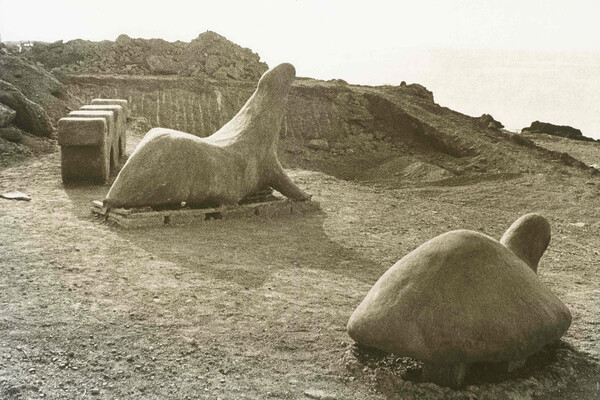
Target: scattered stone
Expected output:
[578,224]
[95,391]
[162,65]
[319,394]
[318,144]
[15,196]
[7,115]
[209,55]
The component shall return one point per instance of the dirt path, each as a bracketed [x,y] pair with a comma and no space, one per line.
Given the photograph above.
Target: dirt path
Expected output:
[257,308]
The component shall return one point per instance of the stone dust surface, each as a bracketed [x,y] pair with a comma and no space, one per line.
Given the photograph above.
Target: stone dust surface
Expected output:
[257,308]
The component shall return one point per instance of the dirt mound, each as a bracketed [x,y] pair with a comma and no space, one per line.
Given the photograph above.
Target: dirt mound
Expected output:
[407,169]
[37,99]
[209,55]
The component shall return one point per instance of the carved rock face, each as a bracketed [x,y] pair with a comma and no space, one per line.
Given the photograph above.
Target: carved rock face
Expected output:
[170,167]
[461,297]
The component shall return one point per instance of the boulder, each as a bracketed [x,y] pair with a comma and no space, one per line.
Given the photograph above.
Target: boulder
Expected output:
[30,116]
[11,134]
[7,115]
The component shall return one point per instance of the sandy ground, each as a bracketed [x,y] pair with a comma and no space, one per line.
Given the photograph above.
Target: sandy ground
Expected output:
[257,308]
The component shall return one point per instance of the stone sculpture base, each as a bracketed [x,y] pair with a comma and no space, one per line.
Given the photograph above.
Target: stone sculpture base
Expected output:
[148,217]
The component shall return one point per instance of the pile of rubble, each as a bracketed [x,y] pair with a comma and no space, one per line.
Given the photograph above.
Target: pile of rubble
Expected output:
[210,55]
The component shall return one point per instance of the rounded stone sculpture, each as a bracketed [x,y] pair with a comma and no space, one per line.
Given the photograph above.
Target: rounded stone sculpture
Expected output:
[169,167]
[528,237]
[458,299]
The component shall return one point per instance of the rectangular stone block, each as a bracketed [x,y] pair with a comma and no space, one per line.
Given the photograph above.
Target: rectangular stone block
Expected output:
[109,116]
[118,110]
[112,141]
[119,102]
[82,131]
[84,163]
[120,141]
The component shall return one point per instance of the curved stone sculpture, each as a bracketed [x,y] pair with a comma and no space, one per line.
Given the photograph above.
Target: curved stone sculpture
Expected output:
[458,299]
[528,237]
[169,167]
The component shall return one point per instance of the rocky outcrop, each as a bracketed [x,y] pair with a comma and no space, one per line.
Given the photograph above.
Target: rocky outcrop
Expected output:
[556,130]
[37,85]
[208,56]
[30,116]
[486,121]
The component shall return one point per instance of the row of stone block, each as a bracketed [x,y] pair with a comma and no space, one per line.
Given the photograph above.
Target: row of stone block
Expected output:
[93,140]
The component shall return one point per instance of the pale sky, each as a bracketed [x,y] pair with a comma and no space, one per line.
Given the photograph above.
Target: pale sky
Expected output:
[519,60]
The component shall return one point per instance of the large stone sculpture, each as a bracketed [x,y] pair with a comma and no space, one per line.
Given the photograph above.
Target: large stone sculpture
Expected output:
[170,167]
[462,298]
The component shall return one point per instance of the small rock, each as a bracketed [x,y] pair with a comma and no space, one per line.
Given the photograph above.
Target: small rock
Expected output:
[15,196]
[380,135]
[318,144]
[95,391]
[319,394]
[578,224]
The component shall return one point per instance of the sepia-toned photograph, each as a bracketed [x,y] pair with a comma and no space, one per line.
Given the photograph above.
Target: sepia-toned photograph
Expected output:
[300,199]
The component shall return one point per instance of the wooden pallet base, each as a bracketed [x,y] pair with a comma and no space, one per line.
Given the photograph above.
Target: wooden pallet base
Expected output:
[147,217]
